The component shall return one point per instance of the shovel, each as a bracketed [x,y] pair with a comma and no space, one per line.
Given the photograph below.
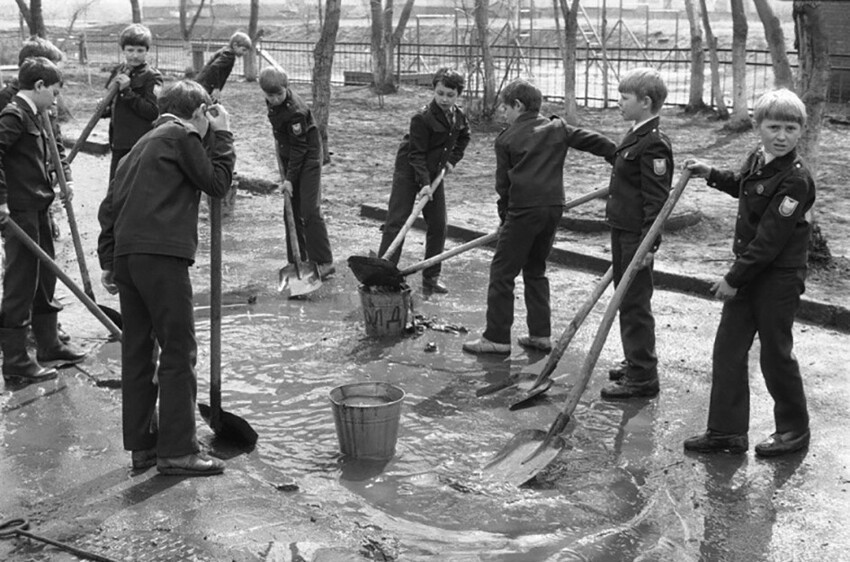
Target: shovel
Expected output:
[12,226]
[514,463]
[98,112]
[113,314]
[225,425]
[300,277]
[362,266]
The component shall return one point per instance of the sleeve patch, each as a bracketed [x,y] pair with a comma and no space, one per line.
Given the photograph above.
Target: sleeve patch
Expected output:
[788,206]
[296,129]
[659,166]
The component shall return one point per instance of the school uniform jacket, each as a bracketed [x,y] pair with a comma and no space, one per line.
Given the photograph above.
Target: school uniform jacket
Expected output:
[151,207]
[640,180]
[217,70]
[134,109]
[530,156]
[25,179]
[771,228]
[296,132]
[431,142]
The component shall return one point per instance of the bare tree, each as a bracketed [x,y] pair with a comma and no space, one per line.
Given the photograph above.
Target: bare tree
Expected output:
[782,74]
[385,40]
[716,91]
[33,16]
[569,47]
[482,26]
[813,81]
[740,115]
[323,58]
[186,26]
[697,81]
[136,10]
[249,64]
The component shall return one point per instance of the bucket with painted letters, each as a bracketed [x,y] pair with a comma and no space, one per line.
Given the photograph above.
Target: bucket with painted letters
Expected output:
[366,416]
[385,310]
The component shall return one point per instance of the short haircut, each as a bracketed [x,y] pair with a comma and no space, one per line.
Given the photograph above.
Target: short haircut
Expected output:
[137,35]
[524,91]
[37,46]
[645,82]
[450,78]
[781,105]
[273,80]
[182,98]
[240,39]
[34,69]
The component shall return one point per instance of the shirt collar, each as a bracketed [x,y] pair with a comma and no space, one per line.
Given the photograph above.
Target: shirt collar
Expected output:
[29,102]
[640,124]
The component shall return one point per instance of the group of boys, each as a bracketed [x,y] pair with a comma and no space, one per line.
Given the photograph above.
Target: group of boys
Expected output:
[761,290]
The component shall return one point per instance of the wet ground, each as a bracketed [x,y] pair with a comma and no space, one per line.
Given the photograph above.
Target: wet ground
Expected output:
[622,489]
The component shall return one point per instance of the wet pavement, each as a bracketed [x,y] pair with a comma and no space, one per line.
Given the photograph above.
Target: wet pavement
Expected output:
[622,489]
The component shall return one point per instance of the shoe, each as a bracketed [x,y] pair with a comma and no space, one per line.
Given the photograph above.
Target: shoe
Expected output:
[18,365]
[626,388]
[326,270]
[483,345]
[189,465]
[783,443]
[45,328]
[434,287]
[542,343]
[143,459]
[620,371]
[715,442]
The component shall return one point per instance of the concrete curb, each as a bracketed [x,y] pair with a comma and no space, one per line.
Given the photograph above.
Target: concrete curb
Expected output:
[811,311]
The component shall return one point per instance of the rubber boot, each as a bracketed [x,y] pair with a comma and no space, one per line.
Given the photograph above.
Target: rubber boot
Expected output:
[17,362]
[50,347]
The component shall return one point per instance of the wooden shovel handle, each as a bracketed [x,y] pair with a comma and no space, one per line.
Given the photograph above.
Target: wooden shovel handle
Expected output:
[605,326]
[268,58]
[215,313]
[98,112]
[414,213]
[480,241]
[288,215]
[597,194]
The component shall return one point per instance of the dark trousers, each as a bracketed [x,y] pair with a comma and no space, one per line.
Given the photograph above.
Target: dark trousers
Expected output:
[309,221]
[402,199]
[525,241]
[637,325]
[766,306]
[27,285]
[156,303]
[117,155]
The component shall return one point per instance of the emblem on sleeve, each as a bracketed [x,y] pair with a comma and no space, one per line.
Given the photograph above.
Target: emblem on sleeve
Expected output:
[296,129]
[788,206]
[659,166]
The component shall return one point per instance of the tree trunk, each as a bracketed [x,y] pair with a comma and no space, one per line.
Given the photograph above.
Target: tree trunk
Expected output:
[186,27]
[136,11]
[569,48]
[740,115]
[697,82]
[783,77]
[482,26]
[249,63]
[323,58]
[382,76]
[716,90]
[33,16]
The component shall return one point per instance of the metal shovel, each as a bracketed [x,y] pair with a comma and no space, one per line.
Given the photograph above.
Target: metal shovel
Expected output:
[514,463]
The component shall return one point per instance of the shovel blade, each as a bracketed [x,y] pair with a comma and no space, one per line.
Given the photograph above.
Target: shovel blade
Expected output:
[517,462]
[293,284]
[233,429]
[530,395]
[375,271]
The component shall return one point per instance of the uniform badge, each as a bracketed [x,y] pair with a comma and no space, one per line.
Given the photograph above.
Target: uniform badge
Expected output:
[659,166]
[296,129]
[788,206]
[759,189]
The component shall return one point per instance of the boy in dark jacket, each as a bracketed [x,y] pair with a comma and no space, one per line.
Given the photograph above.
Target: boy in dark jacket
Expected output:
[530,156]
[148,239]
[639,186]
[26,191]
[215,73]
[438,136]
[762,289]
[300,146]
[134,109]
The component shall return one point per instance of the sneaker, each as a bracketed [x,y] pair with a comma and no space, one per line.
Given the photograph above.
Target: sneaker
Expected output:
[143,459]
[626,388]
[189,465]
[326,270]
[620,371]
[483,345]
[715,442]
[783,443]
[542,343]
[434,286]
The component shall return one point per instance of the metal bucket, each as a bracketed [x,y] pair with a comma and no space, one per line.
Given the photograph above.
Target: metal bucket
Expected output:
[384,311]
[366,416]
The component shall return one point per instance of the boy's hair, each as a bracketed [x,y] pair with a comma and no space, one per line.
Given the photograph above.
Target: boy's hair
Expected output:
[524,91]
[137,35]
[273,81]
[240,39]
[182,98]
[781,105]
[34,69]
[37,46]
[645,82]
[450,78]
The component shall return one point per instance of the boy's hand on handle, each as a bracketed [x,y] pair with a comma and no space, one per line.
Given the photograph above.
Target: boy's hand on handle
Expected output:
[68,194]
[722,290]
[218,117]
[215,95]
[449,168]
[647,260]
[107,279]
[424,192]
[123,81]
[4,215]
[287,187]
[698,168]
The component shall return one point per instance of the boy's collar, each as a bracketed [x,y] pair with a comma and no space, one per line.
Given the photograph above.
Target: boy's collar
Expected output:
[25,95]
[639,124]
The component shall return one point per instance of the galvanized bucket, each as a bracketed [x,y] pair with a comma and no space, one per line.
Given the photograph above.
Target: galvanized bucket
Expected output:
[384,310]
[367,416]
